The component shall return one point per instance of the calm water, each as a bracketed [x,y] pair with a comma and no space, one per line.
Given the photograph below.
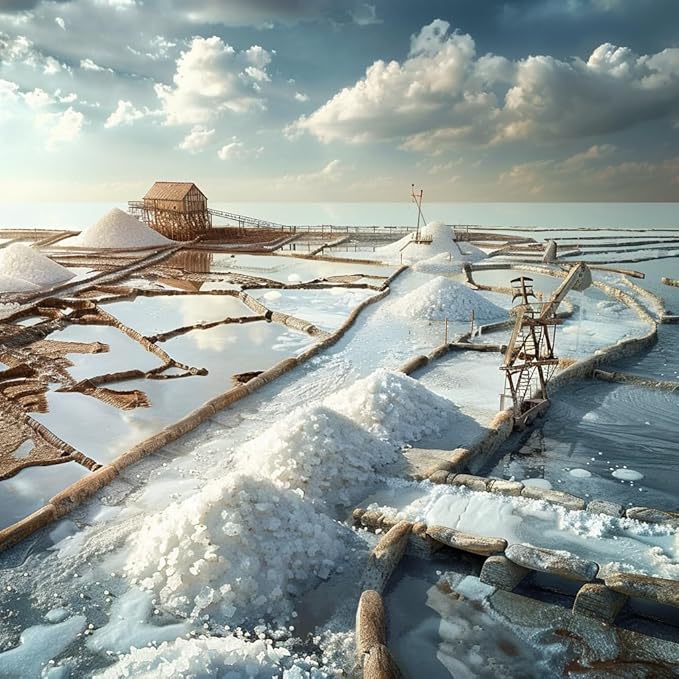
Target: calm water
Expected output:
[559,215]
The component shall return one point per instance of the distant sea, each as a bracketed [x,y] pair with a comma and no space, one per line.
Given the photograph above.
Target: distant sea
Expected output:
[77,216]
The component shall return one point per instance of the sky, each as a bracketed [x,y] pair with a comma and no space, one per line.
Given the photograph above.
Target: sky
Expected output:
[340,100]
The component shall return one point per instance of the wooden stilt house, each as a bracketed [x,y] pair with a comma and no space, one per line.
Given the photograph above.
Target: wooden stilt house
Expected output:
[178,210]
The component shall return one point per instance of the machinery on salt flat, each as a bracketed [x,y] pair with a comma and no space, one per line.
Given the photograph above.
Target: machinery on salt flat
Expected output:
[529,361]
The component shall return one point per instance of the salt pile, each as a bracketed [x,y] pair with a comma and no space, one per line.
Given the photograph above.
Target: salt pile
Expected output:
[442,298]
[442,251]
[199,658]
[19,261]
[319,452]
[393,406]
[212,657]
[238,549]
[11,284]
[117,229]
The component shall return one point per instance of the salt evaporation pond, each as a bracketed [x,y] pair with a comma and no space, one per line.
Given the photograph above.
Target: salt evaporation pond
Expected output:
[378,339]
[325,308]
[32,488]
[157,314]
[435,634]
[280,268]
[259,344]
[602,428]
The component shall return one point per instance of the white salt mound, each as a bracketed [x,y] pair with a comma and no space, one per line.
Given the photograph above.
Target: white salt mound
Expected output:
[11,284]
[440,251]
[117,229]
[319,452]
[199,658]
[237,550]
[442,298]
[393,406]
[19,261]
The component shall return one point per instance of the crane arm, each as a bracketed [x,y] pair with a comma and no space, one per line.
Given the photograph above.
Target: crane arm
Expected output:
[579,278]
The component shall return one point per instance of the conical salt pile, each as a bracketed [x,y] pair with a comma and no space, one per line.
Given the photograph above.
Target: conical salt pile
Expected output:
[443,298]
[437,246]
[27,264]
[12,284]
[117,229]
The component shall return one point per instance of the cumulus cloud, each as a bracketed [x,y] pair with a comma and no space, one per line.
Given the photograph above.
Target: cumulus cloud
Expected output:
[212,77]
[197,139]
[37,98]
[125,114]
[301,97]
[444,94]
[60,127]
[22,50]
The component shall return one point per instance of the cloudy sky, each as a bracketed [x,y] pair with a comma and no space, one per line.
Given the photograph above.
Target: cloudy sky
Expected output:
[526,100]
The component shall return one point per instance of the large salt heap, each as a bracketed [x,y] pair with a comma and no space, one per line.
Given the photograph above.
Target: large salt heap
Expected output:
[437,251]
[442,298]
[237,550]
[117,229]
[27,269]
[319,452]
[393,406]
[12,284]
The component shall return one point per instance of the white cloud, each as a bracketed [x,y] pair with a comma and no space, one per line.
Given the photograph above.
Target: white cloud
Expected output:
[300,96]
[443,95]
[37,98]
[89,65]
[60,127]
[59,21]
[211,77]
[20,49]
[331,173]
[237,150]
[365,14]
[124,114]
[197,139]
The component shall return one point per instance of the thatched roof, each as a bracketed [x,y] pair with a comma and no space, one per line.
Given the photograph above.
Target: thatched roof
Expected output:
[170,191]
